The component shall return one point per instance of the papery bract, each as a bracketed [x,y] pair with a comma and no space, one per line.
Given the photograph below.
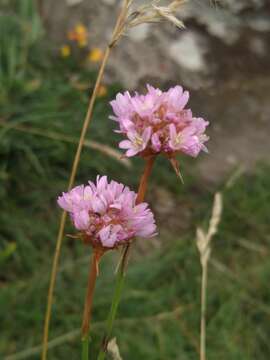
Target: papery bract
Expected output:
[106,213]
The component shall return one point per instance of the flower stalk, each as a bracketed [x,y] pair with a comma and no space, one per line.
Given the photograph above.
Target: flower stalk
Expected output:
[149,162]
[93,273]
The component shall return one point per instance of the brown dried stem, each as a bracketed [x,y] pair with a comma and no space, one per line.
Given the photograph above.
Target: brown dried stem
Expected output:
[88,304]
[93,273]
[144,179]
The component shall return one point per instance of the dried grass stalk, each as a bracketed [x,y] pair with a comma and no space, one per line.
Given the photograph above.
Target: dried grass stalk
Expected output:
[204,239]
[203,244]
[151,13]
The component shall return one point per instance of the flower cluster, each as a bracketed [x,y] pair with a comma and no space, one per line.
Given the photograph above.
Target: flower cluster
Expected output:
[78,38]
[158,122]
[106,213]
[79,34]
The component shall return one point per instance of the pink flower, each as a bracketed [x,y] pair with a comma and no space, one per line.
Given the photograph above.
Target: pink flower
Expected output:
[158,123]
[106,213]
[136,143]
[190,140]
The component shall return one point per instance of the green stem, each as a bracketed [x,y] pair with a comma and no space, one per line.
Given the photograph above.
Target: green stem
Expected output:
[114,306]
[85,348]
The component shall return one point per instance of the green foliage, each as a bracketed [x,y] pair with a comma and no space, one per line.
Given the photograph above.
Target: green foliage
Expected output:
[20,30]
[159,313]
[7,252]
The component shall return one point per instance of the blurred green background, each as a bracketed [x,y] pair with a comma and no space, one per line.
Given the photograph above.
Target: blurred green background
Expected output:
[43,100]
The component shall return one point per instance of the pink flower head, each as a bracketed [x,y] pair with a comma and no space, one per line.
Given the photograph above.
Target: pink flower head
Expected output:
[106,213]
[158,123]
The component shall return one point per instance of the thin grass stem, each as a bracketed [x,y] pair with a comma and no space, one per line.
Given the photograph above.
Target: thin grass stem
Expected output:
[204,246]
[203,312]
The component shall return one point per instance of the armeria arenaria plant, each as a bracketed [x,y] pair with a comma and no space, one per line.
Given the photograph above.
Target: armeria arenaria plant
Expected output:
[106,216]
[155,123]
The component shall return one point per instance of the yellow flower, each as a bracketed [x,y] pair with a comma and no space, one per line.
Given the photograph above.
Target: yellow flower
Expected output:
[65,51]
[79,34]
[80,29]
[102,91]
[95,55]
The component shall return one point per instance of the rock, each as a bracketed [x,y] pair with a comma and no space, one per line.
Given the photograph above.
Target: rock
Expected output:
[258,46]
[259,23]
[223,58]
[109,2]
[240,5]
[73,2]
[139,33]
[188,51]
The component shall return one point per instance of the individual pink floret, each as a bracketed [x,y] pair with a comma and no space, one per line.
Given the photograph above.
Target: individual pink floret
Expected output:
[158,122]
[106,213]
